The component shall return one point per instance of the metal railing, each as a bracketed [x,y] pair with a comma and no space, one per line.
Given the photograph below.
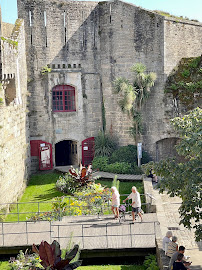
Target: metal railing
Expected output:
[18,213]
[88,236]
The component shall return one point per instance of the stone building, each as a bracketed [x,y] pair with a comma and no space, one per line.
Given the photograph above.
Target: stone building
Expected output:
[67,54]
[87,45]
[14,128]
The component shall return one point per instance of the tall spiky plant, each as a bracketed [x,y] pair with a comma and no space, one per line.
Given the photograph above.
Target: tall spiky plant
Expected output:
[115,182]
[132,95]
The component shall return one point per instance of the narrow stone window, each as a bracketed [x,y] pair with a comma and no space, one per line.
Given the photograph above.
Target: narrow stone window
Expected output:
[58,65]
[65,28]
[79,65]
[94,30]
[74,65]
[45,24]
[64,66]
[84,33]
[30,18]
[53,66]
[30,24]
[69,66]
[110,13]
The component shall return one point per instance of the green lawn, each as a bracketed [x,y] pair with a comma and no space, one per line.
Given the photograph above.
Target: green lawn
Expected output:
[111,267]
[41,188]
[4,266]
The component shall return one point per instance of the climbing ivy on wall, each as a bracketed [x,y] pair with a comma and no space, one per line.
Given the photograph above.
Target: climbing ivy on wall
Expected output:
[1,99]
[185,81]
[12,43]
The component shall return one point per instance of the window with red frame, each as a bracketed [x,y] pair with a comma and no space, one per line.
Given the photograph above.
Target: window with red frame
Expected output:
[64,98]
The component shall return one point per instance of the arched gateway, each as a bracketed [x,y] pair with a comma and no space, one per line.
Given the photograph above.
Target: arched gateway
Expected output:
[66,153]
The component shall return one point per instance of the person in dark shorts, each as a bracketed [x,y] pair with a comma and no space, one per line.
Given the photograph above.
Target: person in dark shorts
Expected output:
[136,203]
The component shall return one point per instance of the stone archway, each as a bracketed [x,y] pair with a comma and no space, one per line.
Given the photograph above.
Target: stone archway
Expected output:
[166,148]
[66,153]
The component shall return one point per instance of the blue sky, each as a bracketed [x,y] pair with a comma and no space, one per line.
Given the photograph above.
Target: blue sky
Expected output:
[189,8]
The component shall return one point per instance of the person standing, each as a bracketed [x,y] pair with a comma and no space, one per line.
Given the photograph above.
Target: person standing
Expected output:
[136,203]
[172,247]
[115,202]
[166,240]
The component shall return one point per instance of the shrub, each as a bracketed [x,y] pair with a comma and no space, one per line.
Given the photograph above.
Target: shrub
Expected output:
[66,184]
[100,163]
[120,167]
[25,261]
[150,263]
[105,145]
[128,154]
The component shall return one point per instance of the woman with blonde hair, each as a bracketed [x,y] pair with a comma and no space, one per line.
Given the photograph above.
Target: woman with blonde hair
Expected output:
[115,202]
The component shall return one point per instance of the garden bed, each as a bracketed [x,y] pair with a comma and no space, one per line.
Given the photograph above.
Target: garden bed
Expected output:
[41,191]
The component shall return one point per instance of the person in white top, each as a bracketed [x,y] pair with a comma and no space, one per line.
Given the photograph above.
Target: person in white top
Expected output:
[166,240]
[115,202]
[136,203]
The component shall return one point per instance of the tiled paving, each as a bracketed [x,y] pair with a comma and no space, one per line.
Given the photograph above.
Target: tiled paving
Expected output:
[168,216]
[90,232]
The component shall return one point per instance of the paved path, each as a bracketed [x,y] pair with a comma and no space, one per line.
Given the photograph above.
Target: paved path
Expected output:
[88,231]
[126,177]
[168,216]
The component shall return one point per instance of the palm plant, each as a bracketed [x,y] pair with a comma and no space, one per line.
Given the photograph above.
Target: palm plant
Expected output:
[132,95]
[104,145]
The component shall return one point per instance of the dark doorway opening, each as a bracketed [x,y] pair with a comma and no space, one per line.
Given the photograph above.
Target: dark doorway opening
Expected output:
[66,153]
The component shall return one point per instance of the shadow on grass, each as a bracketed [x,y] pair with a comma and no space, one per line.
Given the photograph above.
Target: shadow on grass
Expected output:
[52,193]
[44,179]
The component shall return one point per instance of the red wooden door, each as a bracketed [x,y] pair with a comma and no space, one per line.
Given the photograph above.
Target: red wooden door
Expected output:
[88,151]
[45,156]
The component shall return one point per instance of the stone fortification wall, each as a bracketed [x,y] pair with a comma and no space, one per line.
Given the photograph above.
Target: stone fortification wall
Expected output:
[182,39]
[63,35]
[88,45]
[14,146]
[7,29]
[129,35]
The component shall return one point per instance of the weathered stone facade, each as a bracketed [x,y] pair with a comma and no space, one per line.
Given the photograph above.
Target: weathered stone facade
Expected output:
[14,128]
[88,45]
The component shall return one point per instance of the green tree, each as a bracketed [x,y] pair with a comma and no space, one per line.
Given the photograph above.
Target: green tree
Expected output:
[184,179]
[132,95]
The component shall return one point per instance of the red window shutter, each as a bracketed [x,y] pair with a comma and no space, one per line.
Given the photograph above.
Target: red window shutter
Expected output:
[34,145]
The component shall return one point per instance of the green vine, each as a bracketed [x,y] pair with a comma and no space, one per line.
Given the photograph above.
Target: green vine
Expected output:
[45,70]
[185,82]
[11,42]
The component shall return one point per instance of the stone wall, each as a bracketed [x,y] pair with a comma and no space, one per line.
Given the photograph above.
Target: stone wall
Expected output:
[88,45]
[60,35]
[129,35]
[14,129]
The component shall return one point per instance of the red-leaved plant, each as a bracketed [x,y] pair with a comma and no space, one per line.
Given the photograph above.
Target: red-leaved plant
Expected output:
[50,256]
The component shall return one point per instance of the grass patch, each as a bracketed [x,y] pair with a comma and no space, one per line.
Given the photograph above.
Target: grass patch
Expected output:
[4,266]
[111,267]
[41,188]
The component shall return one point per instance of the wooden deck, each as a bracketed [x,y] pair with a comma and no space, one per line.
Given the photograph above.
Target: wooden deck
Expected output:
[126,177]
[89,232]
